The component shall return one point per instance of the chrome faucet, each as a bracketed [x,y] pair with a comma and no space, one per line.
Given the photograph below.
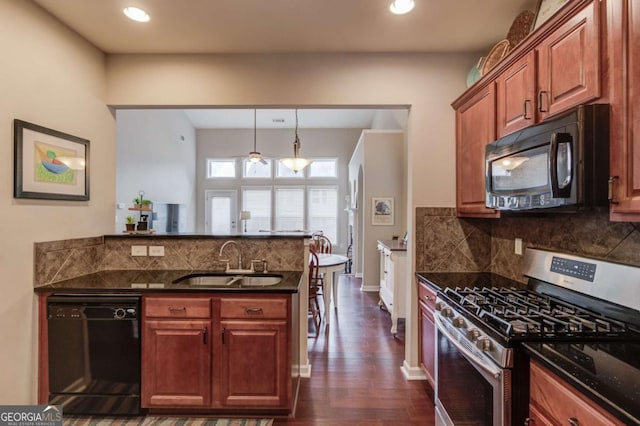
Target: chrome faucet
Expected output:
[239,269]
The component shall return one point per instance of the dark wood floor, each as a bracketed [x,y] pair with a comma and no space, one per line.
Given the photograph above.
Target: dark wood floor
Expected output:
[355,376]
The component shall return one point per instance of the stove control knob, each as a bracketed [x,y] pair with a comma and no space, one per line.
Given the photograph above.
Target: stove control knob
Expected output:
[458,322]
[473,334]
[438,306]
[446,312]
[483,344]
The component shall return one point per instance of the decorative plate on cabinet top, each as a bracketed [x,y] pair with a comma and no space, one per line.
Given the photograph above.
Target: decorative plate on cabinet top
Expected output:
[496,54]
[474,73]
[521,27]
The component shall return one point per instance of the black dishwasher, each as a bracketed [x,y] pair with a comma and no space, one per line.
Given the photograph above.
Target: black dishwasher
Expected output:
[94,353]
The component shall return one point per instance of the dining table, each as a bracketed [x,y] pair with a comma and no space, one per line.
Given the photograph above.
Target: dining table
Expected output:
[330,265]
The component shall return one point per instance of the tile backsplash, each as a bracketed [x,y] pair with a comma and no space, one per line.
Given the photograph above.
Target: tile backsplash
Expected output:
[446,243]
[60,260]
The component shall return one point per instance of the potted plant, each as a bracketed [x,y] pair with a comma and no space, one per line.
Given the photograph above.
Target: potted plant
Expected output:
[146,204]
[137,203]
[131,223]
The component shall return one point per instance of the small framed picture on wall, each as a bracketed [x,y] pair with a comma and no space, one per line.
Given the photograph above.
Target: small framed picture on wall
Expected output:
[382,211]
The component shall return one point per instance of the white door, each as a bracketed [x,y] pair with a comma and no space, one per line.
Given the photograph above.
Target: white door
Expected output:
[221,212]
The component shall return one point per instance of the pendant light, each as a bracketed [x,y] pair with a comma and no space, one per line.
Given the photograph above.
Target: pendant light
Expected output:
[255,156]
[400,7]
[296,163]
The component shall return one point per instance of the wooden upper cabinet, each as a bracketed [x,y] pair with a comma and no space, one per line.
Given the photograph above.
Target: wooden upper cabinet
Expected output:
[569,63]
[475,128]
[516,96]
[625,126]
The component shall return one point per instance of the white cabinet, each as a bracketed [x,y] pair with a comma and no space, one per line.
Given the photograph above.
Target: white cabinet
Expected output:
[393,282]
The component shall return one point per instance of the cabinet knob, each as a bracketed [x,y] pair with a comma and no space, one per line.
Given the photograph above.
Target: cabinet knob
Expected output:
[527,421]
[573,421]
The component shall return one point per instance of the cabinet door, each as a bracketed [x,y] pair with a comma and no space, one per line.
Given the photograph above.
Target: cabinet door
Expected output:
[475,128]
[569,63]
[427,342]
[516,93]
[563,404]
[625,137]
[176,360]
[255,364]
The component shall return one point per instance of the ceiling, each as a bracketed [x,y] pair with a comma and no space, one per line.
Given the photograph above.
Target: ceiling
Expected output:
[288,26]
[269,26]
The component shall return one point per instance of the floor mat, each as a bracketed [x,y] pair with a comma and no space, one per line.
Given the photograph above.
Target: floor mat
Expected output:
[161,421]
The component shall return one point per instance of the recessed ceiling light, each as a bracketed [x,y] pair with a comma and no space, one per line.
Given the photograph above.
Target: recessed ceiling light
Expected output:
[136,14]
[400,7]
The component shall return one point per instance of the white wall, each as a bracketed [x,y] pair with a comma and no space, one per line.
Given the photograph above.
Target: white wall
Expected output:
[318,143]
[380,156]
[51,77]
[156,153]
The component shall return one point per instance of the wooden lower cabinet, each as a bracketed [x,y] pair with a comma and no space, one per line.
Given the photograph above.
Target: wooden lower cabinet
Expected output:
[176,363]
[217,353]
[552,401]
[427,331]
[254,364]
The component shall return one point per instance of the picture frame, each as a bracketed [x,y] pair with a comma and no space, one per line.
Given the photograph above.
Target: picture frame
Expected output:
[49,164]
[382,211]
[546,9]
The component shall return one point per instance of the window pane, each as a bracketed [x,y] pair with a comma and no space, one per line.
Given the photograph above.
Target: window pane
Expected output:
[221,168]
[221,215]
[257,170]
[258,202]
[289,209]
[324,168]
[323,211]
[283,171]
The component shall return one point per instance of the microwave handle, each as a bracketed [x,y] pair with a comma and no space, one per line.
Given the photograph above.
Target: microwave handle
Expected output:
[556,190]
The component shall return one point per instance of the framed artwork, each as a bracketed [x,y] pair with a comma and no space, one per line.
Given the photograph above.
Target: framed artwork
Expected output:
[382,211]
[546,8]
[49,164]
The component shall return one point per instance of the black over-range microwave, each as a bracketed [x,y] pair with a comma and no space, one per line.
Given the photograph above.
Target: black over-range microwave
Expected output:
[561,163]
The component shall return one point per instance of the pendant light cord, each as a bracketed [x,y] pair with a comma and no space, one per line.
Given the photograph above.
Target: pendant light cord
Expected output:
[255,125]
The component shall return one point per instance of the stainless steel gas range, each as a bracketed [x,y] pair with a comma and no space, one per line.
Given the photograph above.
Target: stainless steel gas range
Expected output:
[482,372]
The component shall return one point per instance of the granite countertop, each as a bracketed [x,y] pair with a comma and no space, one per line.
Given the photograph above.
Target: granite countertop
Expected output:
[606,372]
[162,281]
[393,245]
[198,235]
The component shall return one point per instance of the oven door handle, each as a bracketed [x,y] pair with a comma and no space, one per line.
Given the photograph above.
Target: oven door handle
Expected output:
[495,372]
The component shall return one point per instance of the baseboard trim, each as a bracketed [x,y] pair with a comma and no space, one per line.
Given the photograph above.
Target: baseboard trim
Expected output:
[370,288]
[304,370]
[358,275]
[412,373]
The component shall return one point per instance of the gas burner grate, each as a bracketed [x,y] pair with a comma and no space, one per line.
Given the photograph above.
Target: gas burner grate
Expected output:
[523,313]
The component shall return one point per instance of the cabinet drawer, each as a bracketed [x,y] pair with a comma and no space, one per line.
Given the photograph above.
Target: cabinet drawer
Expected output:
[177,307]
[427,295]
[558,400]
[253,308]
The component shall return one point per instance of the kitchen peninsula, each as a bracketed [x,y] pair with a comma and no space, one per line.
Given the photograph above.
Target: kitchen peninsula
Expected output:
[210,341]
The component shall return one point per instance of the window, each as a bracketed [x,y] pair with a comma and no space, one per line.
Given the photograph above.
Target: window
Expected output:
[258,202]
[221,168]
[289,209]
[283,171]
[256,170]
[324,167]
[323,211]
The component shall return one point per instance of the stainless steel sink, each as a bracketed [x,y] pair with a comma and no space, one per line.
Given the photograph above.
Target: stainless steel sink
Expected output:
[261,281]
[223,280]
